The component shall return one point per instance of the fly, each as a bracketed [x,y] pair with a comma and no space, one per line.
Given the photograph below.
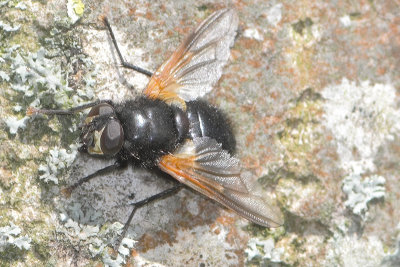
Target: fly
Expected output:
[169,126]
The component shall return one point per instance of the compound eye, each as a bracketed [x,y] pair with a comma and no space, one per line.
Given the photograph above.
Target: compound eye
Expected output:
[112,138]
[101,109]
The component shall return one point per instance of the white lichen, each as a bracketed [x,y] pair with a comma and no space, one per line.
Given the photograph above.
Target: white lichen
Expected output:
[58,160]
[361,191]
[8,28]
[346,21]
[274,14]
[10,236]
[21,6]
[14,123]
[123,253]
[4,76]
[263,249]
[39,76]
[362,117]
[353,251]
[3,3]
[253,33]
[81,228]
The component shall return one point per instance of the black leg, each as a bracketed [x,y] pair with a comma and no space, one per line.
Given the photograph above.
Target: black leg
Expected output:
[68,190]
[33,111]
[142,203]
[123,62]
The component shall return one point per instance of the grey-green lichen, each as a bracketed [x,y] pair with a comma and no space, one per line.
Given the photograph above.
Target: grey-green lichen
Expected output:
[10,236]
[302,133]
[31,76]
[59,160]
[393,259]
[80,227]
[263,251]
[361,191]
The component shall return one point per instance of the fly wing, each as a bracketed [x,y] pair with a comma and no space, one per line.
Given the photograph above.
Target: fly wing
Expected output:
[203,165]
[197,64]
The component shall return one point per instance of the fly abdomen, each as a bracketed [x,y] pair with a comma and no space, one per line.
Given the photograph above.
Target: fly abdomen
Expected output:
[181,123]
[208,121]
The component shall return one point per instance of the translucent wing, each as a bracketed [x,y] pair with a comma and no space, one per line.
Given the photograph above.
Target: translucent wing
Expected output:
[204,166]
[197,64]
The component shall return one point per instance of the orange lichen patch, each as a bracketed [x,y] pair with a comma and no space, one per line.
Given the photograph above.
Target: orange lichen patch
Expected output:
[319,172]
[269,45]
[250,163]
[228,76]
[235,54]
[78,76]
[243,79]
[134,253]
[395,32]
[248,44]
[225,220]
[151,241]
[5,177]
[259,75]
[216,230]
[248,108]
[183,30]
[66,192]
[235,69]
[132,12]
[148,242]
[255,63]
[250,138]
[274,95]
[112,252]
[226,94]
[233,236]
[170,33]
[216,227]
[158,50]
[149,15]
[339,32]
[101,18]
[381,71]
[261,123]
[385,38]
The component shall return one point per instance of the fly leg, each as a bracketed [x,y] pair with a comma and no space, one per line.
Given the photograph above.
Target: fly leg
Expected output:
[34,111]
[139,204]
[121,58]
[117,165]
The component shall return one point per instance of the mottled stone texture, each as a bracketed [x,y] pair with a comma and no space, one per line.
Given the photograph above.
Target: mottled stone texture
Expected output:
[312,88]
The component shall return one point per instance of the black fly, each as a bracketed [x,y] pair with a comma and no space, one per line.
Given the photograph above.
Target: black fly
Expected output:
[171,128]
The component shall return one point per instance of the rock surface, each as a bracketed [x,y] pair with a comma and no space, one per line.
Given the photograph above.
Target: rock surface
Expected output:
[313,91]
